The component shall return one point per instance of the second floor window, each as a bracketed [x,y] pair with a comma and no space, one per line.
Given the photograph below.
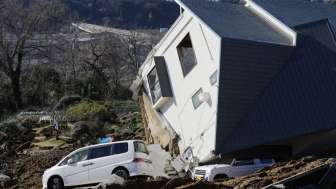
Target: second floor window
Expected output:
[186,55]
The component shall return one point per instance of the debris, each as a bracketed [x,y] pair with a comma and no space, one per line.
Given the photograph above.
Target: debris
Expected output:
[175,182]
[114,180]
[23,146]
[46,131]
[4,179]
[105,139]
[140,184]
[185,162]
[3,136]
[317,178]
[159,157]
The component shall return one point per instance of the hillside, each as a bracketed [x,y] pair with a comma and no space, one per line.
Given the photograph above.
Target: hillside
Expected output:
[126,13]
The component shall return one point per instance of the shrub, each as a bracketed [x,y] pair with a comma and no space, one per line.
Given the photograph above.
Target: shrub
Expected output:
[89,111]
[67,101]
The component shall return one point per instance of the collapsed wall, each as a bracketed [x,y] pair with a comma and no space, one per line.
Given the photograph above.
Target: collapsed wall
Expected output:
[157,130]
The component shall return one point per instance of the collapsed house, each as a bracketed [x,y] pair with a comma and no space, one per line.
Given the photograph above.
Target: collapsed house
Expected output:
[248,78]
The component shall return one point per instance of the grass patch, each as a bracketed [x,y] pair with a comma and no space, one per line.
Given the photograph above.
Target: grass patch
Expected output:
[89,110]
[125,106]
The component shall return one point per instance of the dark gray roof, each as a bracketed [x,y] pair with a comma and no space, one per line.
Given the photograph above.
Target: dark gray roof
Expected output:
[296,12]
[232,20]
[300,100]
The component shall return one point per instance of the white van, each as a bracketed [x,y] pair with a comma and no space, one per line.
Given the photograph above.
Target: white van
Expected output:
[95,164]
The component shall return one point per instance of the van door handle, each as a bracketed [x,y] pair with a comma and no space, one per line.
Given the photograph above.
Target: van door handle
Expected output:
[87,164]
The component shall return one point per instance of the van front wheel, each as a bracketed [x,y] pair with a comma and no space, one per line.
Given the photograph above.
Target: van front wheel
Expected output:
[55,183]
[123,173]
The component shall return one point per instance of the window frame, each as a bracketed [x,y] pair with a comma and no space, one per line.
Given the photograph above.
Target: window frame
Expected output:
[178,49]
[198,92]
[214,78]
[152,87]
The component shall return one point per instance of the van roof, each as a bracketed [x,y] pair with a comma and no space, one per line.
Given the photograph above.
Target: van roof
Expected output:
[105,144]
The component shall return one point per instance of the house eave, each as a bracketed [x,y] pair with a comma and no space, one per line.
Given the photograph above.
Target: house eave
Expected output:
[273,21]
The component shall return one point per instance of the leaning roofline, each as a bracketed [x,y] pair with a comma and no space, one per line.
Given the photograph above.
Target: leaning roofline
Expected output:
[268,17]
[249,4]
[197,17]
[165,37]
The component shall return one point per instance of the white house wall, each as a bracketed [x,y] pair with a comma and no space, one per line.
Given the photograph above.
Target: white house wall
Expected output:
[196,128]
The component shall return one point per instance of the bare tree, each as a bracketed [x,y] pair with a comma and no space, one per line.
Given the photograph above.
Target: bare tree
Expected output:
[136,45]
[102,56]
[22,23]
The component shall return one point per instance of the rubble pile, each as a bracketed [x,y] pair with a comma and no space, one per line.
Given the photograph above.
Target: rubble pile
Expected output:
[26,169]
[27,149]
[260,179]
[13,137]
[276,173]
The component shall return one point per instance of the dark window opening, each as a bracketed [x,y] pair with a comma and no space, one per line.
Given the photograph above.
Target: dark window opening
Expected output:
[186,55]
[266,161]
[244,162]
[196,99]
[100,152]
[119,148]
[154,85]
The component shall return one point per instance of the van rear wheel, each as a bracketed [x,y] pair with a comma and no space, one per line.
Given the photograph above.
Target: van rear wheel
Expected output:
[123,173]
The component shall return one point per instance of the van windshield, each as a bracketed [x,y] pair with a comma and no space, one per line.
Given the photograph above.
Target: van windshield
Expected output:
[140,147]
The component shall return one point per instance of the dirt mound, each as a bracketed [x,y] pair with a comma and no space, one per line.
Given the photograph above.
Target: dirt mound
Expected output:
[27,169]
[276,173]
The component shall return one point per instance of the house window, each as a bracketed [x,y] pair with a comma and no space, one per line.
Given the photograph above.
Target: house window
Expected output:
[214,78]
[187,55]
[196,99]
[154,85]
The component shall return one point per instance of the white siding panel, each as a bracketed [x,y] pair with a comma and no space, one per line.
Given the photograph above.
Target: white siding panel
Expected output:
[195,127]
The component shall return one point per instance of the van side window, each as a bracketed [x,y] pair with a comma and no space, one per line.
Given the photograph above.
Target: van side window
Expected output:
[140,147]
[243,162]
[266,161]
[77,157]
[100,152]
[119,148]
